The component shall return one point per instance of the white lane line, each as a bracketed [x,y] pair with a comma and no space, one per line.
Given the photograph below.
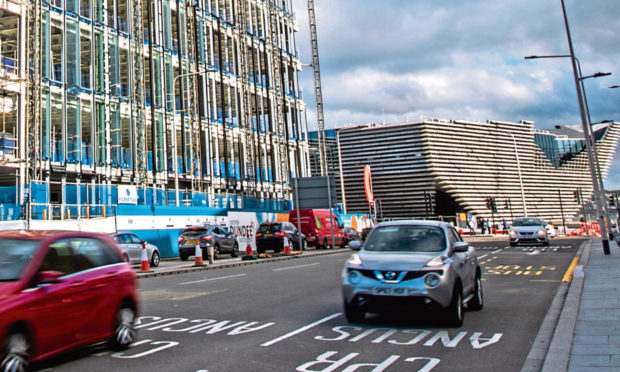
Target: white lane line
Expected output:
[483,256]
[300,330]
[295,267]
[499,250]
[208,280]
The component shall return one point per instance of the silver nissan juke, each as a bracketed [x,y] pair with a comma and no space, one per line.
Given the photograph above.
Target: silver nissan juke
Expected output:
[412,265]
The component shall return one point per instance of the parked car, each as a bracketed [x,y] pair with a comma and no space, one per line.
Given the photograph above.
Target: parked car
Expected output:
[214,236]
[528,230]
[131,249]
[270,236]
[412,265]
[316,225]
[351,234]
[60,291]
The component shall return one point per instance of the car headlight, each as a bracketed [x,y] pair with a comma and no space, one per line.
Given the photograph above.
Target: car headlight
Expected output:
[354,276]
[437,261]
[541,232]
[432,280]
[512,233]
[355,260]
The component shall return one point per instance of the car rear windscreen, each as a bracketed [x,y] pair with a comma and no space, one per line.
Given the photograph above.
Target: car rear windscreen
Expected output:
[271,228]
[195,232]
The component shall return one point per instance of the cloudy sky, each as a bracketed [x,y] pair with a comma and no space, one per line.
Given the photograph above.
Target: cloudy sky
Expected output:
[398,60]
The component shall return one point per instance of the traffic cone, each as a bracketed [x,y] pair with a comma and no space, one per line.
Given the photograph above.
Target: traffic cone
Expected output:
[249,253]
[287,248]
[144,265]
[198,256]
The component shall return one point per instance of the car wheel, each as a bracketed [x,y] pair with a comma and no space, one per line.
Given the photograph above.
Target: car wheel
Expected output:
[513,244]
[260,250]
[304,244]
[454,312]
[216,252]
[353,313]
[125,257]
[124,331]
[235,251]
[546,243]
[16,352]
[155,259]
[184,256]
[477,301]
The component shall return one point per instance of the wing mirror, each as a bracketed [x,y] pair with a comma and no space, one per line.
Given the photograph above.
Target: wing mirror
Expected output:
[356,245]
[461,246]
[49,277]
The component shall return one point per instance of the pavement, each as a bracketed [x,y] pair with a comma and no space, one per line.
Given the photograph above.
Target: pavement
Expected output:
[581,331]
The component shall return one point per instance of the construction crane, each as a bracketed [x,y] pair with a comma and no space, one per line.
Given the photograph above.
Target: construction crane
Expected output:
[318,95]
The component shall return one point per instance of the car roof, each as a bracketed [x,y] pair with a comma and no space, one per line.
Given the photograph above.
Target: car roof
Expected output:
[414,223]
[43,234]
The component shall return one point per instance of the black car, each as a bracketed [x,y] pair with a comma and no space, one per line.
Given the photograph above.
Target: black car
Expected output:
[365,232]
[214,236]
[271,236]
[351,234]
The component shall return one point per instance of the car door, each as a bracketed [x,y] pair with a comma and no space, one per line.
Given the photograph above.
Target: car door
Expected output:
[98,268]
[466,262]
[51,311]
[221,238]
[121,241]
[134,247]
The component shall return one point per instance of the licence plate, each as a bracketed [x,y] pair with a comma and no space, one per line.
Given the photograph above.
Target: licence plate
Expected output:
[191,242]
[268,235]
[389,291]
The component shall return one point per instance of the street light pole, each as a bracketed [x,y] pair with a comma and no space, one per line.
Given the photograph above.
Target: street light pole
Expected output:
[584,124]
[175,162]
[589,136]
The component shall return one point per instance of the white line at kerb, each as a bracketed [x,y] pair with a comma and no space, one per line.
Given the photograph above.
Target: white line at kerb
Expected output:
[295,267]
[208,280]
[300,330]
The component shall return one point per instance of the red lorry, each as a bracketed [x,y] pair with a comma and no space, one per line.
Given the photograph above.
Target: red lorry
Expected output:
[316,226]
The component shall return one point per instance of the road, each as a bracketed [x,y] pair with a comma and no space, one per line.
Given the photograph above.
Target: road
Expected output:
[286,316]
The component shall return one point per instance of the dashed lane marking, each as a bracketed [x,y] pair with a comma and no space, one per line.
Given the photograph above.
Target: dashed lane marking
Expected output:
[211,279]
[300,330]
[296,267]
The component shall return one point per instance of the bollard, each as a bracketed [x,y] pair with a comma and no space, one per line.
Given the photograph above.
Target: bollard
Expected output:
[87,213]
[211,252]
[68,213]
[103,211]
[45,214]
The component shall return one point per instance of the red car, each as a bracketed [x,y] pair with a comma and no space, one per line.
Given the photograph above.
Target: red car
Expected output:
[60,290]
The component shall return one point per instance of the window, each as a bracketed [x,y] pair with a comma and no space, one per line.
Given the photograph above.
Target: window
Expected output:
[14,255]
[90,253]
[407,238]
[59,258]
[133,239]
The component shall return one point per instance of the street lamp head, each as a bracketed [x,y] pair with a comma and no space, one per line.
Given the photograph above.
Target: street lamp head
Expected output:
[614,86]
[598,74]
[552,56]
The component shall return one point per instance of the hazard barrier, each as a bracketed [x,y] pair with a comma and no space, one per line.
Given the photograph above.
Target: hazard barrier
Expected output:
[249,254]
[198,256]
[144,264]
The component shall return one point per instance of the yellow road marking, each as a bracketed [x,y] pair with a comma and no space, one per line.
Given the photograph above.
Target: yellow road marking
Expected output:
[568,276]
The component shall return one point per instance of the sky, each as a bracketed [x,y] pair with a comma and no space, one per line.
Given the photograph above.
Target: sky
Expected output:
[401,60]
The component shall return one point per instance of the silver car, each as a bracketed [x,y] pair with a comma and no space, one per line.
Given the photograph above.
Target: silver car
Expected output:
[412,265]
[131,249]
[528,230]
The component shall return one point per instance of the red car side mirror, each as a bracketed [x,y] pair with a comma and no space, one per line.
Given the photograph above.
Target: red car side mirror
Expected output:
[49,277]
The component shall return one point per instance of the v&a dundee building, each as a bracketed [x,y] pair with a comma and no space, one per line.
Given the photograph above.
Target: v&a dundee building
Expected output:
[436,168]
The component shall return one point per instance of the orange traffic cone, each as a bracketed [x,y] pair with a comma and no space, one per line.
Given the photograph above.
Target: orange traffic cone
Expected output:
[287,248]
[249,253]
[198,256]
[144,265]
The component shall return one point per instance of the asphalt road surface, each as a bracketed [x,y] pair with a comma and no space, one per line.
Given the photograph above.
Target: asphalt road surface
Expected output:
[287,316]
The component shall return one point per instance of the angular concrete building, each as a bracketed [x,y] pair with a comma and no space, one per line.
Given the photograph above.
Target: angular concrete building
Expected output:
[438,168]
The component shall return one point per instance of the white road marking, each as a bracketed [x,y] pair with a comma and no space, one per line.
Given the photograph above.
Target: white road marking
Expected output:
[533,253]
[499,250]
[208,280]
[295,267]
[300,330]
[483,256]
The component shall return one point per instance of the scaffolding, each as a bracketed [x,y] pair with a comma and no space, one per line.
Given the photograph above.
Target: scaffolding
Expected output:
[106,83]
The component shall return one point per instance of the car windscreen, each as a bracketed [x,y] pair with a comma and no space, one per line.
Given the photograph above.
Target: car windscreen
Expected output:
[527,222]
[270,228]
[195,231]
[406,238]
[14,255]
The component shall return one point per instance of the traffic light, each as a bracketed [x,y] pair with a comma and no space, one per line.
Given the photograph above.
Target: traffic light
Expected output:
[488,200]
[493,204]
[612,202]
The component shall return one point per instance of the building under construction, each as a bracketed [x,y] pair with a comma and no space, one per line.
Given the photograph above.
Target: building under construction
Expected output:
[187,102]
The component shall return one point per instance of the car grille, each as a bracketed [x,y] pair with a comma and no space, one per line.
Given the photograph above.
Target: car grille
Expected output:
[408,276]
